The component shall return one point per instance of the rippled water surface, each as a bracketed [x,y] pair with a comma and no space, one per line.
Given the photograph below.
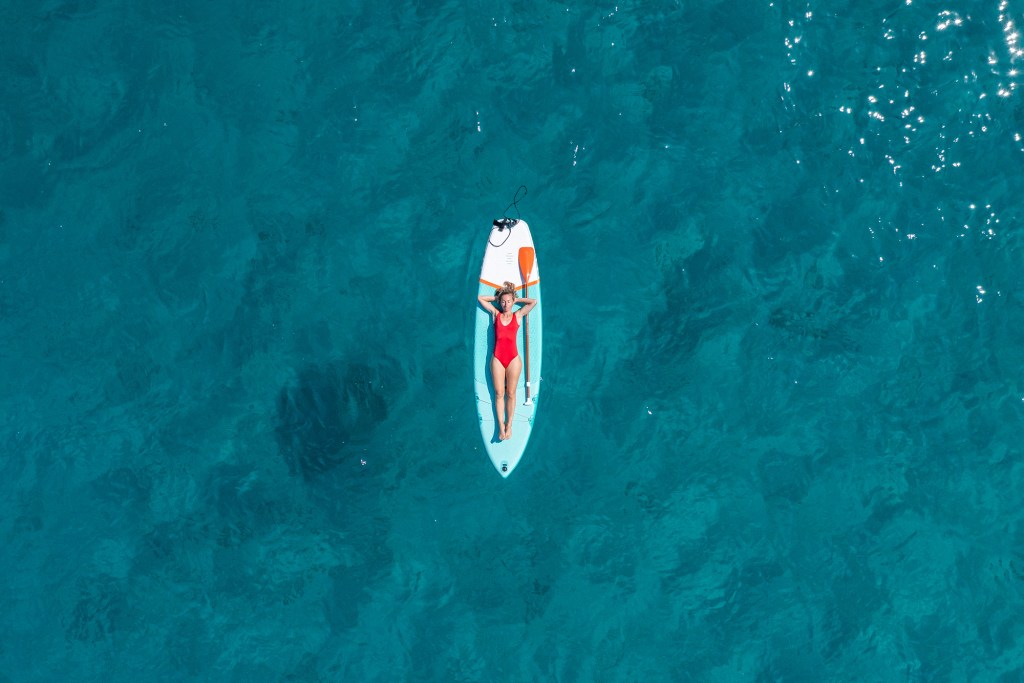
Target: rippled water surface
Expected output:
[783,367]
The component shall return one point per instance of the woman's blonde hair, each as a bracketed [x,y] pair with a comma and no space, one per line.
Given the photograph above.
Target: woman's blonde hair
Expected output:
[507,288]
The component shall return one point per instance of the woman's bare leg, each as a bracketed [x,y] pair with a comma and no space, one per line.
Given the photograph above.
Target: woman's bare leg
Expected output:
[498,375]
[512,372]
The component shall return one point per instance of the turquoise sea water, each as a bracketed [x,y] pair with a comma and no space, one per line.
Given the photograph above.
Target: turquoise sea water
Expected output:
[783,364]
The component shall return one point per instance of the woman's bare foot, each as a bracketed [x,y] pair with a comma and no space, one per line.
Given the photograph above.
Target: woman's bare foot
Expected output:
[501,432]
[508,432]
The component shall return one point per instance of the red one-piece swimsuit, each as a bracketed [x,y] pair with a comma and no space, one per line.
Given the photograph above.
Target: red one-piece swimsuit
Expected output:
[505,339]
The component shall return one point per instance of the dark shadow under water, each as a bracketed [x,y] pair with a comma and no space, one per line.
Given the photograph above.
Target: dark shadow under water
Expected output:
[327,413]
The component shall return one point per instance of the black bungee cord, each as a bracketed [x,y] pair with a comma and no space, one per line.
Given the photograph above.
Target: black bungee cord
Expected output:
[506,223]
[515,203]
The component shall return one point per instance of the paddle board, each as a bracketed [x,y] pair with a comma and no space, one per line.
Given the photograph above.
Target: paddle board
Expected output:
[501,263]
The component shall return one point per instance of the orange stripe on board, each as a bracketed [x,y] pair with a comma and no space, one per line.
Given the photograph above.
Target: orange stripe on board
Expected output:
[491,284]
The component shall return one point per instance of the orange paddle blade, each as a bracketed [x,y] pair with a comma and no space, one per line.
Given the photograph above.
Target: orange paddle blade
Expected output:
[526,262]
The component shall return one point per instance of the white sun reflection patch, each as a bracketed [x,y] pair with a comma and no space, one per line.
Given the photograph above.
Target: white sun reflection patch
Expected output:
[1012,38]
[948,18]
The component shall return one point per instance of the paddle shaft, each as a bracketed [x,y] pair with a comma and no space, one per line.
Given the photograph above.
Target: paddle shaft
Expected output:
[526,342]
